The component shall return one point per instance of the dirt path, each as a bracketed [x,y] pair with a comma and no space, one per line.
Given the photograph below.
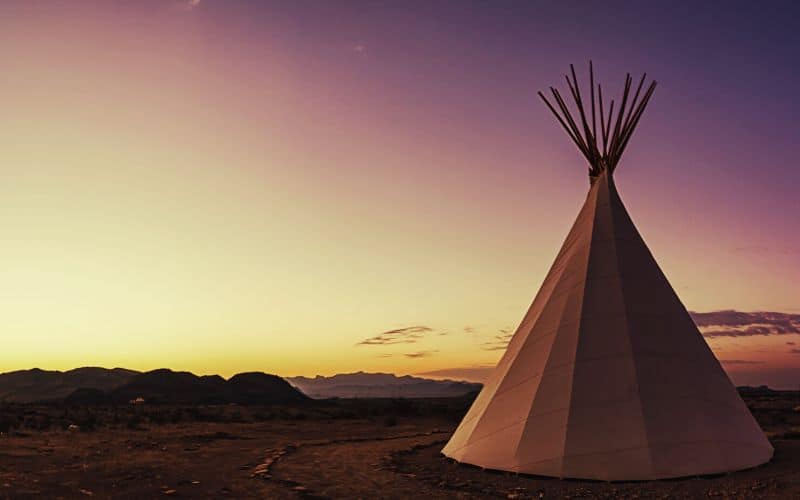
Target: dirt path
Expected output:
[352,458]
[353,468]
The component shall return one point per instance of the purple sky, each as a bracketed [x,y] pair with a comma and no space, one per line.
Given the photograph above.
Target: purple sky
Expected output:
[295,177]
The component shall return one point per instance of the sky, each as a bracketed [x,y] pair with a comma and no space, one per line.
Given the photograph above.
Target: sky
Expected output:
[314,187]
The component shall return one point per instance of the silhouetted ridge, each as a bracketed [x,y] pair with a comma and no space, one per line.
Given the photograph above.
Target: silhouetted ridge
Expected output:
[169,387]
[261,388]
[25,386]
[90,386]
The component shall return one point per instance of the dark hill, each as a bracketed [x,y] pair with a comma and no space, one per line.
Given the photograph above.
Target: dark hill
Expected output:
[87,397]
[260,388]
[25,386]
[165,386]
[92,386]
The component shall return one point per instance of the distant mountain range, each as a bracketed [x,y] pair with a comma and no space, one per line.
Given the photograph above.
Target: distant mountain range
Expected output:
[111,386]
[93,385]
[25,386]
[380,385]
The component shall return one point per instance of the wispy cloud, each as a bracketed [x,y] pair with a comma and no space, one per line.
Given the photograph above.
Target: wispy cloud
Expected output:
[188,4]
[499,341]
[420,354]
[740,362]
[475,373]
[766,249]
[794,351]
[743,324]
[712,325]
[408,335]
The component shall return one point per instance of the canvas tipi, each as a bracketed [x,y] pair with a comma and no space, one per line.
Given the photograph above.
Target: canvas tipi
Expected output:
[607,377]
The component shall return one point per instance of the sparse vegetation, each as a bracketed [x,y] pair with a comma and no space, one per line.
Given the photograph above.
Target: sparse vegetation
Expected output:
[333,448]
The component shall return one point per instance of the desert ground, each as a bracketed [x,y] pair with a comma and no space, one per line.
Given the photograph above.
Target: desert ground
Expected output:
[330,449]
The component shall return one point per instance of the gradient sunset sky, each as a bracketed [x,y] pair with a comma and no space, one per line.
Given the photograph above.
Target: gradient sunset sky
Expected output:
[313,187]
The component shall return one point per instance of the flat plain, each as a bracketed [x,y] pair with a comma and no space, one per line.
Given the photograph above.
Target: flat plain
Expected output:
[329,449]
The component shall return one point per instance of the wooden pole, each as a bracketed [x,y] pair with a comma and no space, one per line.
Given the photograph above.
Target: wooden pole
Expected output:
[584,134]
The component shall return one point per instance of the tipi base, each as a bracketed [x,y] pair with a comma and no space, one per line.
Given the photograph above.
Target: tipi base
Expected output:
[704,475]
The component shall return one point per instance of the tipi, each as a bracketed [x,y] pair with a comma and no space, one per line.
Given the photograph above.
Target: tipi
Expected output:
[607,377]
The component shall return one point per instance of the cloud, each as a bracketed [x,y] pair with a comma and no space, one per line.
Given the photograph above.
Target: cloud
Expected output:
[794,351]
[712,325]
[766,249]
[740,362]
[790,343]
[409,335]
[419,354]
[188,4]
[499,341]
[743,324]
[360,48]
[185,5]
[475,373]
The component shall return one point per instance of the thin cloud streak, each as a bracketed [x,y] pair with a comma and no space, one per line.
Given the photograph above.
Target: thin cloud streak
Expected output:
[498,342]
[420,354]
[740,362]
[409,335]
[475,373]
[743,324]
[712,325]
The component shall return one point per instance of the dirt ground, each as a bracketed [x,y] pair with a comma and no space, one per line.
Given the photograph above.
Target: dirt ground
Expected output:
[350,457]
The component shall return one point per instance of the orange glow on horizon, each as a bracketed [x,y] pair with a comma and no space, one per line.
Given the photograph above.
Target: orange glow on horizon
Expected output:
[176,191]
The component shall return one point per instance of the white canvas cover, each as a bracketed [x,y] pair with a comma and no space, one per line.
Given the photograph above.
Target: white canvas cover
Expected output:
[607,377]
